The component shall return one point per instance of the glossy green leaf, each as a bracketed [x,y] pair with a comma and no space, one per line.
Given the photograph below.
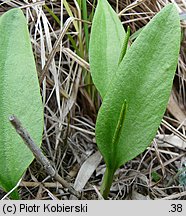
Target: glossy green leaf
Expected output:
[19,95]
[107,36]
[144,79]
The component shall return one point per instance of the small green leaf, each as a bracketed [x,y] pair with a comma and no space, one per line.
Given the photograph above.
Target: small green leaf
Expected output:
[144,79]
[155,176]
[19,95]
[107,35]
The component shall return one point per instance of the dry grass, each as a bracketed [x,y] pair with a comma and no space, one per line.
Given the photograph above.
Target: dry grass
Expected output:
[71,103]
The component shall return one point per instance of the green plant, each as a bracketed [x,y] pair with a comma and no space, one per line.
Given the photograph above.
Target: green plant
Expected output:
[19,95]
[136,91]
[107,36]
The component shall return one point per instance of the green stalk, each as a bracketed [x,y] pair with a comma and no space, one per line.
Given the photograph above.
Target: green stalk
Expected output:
[107,182]
[52,14]
[125,45]
[84,11]
[85,25]
[74,45]
[66,5]
[58,22]
[92,12]
[109,173]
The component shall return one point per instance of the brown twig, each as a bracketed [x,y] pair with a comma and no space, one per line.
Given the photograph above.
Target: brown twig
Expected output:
[40,156]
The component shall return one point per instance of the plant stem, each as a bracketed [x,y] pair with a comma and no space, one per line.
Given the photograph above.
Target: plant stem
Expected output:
[84,11]
[107,182]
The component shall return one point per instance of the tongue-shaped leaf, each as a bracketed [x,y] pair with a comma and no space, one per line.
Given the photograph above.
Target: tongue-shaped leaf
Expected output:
[144,80]
[106,41]
[19,95]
